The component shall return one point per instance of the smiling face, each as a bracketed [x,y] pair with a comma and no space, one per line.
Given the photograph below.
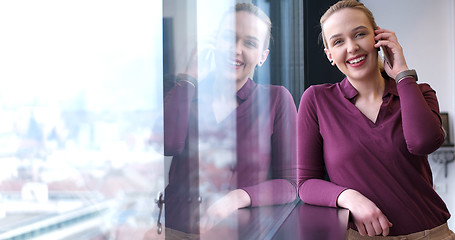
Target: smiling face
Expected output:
[350,43]
[240,45]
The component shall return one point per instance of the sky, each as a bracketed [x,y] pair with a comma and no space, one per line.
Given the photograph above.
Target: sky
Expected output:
[109,52]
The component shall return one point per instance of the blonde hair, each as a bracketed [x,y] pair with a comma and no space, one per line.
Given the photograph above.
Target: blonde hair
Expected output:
[342,5]
[253,9]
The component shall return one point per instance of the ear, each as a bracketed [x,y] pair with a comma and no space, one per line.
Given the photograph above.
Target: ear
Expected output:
[329,55]
[263,57]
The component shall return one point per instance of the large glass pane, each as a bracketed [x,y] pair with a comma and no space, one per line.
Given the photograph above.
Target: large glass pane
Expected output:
[228,133]
[80,127]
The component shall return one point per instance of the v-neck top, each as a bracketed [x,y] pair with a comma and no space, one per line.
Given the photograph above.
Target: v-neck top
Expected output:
[386,161]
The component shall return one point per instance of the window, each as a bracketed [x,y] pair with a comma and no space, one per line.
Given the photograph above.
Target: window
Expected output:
[78,103]
[83,117]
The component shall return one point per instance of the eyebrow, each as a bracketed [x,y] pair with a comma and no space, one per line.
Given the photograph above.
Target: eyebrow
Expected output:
[249,36]
[252,38]
[353,30]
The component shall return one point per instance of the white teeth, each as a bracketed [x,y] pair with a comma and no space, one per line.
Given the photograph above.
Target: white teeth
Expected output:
[236,63]
[357,60]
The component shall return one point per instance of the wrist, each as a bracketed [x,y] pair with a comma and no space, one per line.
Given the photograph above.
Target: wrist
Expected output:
[187,78]
[404,74]
[345,198]
[241,197]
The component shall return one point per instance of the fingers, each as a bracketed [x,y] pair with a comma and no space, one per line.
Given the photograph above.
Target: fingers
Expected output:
[389,36]
[370,229]
[204,57]
[385,36]
[381,226]
[361,228]
[211,218]
[373,229]
[206,223]
[388,40]
[368,218]
[385,226]
[377,228]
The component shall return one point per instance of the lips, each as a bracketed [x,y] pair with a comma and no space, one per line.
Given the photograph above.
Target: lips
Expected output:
[236,63]
[357,60]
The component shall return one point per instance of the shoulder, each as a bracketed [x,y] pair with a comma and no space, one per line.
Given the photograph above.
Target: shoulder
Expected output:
[276,92]
[322,96]
[279,90]
[278,97]
[314,92]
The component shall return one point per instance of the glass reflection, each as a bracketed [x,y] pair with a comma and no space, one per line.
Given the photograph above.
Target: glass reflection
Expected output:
[232,139]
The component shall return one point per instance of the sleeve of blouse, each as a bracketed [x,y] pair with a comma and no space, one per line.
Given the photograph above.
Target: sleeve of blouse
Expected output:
[420,116]
[281,188]
[312,187]
[177,105]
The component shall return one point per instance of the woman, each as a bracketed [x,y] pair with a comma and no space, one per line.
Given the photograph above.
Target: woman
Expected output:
[264,129]
[372,132]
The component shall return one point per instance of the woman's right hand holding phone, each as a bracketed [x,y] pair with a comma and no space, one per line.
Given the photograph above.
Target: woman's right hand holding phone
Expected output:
[368,218]
[203,57]
[392,48]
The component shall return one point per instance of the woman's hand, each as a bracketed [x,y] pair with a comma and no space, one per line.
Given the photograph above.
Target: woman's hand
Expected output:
[367,216]
[224,207]
[388,40]
[204,58]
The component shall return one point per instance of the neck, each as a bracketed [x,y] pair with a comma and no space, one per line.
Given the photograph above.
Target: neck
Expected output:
[225,87]
[240,83]
[370,87]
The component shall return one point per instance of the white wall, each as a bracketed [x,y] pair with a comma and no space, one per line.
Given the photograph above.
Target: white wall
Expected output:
[426,31]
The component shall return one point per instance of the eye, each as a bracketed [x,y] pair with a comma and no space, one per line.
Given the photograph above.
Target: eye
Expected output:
[360,34]
[337,42]
[250,44]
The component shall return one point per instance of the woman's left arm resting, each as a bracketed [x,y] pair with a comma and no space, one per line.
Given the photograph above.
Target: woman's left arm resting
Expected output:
[282,187]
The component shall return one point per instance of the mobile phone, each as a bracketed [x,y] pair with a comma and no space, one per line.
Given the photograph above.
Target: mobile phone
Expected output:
[386,56]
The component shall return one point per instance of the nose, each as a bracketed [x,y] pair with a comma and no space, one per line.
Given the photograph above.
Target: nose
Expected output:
[352,46]
[238,47]
[235,47]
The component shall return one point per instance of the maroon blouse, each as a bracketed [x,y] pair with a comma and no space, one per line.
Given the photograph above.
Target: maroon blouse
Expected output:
[386,161]
[265,143]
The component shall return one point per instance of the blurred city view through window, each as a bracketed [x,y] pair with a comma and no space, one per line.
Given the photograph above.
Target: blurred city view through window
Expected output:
[80,119]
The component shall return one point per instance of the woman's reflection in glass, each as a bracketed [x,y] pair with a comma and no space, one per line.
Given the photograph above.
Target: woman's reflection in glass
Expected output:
[246,152]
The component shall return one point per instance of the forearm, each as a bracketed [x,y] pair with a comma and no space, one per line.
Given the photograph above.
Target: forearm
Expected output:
[280,187]
[312,188]
[177,106]
[320,192]
[271,192]
[420,117]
